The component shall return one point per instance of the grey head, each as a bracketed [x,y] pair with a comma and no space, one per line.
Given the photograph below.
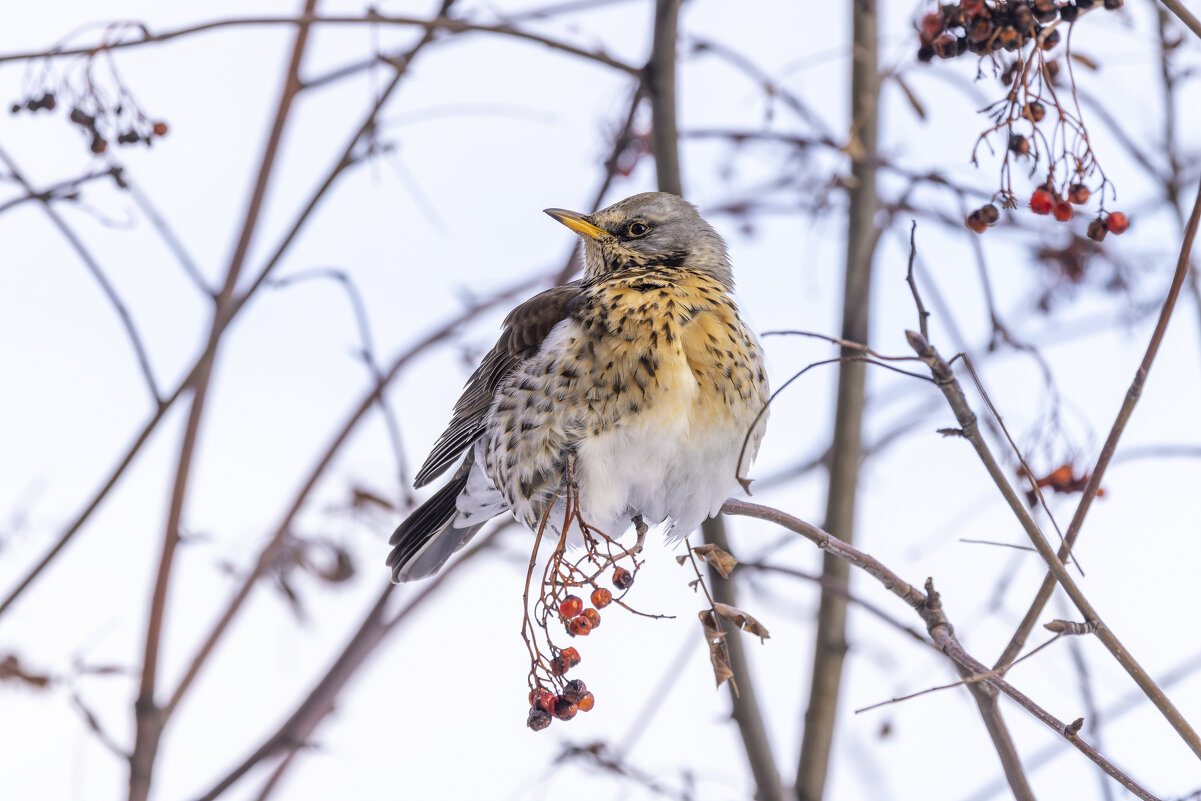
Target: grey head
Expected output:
[653,229]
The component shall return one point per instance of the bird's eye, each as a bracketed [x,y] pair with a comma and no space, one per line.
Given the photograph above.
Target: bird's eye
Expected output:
[638,229]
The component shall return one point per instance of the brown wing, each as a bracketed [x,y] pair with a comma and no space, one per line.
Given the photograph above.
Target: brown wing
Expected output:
[524,329]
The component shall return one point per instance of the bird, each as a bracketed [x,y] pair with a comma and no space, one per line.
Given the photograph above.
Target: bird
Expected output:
[641,376]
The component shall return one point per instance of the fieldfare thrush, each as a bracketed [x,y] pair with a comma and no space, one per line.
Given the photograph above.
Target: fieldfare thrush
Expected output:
[641,372]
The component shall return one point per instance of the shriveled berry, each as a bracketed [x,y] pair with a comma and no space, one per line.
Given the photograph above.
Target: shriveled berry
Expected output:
[592,616]
[565,661]
[1045,10]
[574,690]
[1023,20]
[1063,210]
[1019,145]
[160,128]
[1078,194]
[932,26]
[946,46]
[571,606]
[586,703]
[1068,13]
[976,224]
[989,213]
[1116,223]
[98,145]
[48,102]
[564,709]
[1042,201]
[1051,39]
[538,719]
[925,54]
[579,626]
[1034,111]
[601,597]
[1097,230]
[544,699]
[622,578]
[81,117]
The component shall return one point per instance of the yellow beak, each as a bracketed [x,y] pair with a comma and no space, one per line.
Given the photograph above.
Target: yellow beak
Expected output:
[577,222]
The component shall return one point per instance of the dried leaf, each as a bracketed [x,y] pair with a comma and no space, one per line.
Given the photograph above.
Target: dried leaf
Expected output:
[719,654]
[742,620]
[718,559]
[918,108]
[12,670]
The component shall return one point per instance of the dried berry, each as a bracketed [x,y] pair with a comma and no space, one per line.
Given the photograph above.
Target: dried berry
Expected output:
[1097,230]
[989,213]
[925,54]
[579,626]
[586,703]
[1063,210]
[592,616]
[1034,111]
[1023,20]
[98,145]
[570,607]
[538,719]
[601,597]
[1068,13]
[1078,194]
[1116,223]
[1019,145]
[565,661]
[1051,39]
[945,46]
[976,224]
[931,27]
[574,690]
[1042,201]
[543,699]
[160,128]
[622,578]
[564,709]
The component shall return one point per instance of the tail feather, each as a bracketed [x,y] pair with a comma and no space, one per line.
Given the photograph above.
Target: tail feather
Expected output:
[427,537]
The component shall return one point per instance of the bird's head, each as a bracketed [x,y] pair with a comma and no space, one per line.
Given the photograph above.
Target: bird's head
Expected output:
[653,229]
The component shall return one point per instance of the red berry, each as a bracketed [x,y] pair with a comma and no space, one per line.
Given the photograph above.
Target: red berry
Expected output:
[1063,210]
[538,719]
[932,25]
[1097,230]
[544,700]
[976,224]
[586,703]
[579,626]
[570,607]
[601,597]
[98,145]
[622,578]
[1116,223]
[564,709]
[1078,194]
[565,661]
[574,690]
[160,129]
[1042,201]
[592,616]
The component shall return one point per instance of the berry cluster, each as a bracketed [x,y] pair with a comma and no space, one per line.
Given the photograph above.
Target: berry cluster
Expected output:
[983,27]
[101,124]
[558,599]
[1046,200]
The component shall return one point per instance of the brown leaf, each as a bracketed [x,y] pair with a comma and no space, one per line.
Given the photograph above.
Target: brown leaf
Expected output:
[719,654]
[718,559]
[742,620]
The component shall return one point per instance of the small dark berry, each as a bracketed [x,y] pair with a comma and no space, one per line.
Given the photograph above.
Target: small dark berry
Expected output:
[1085,4]
[622,578]
[98,145]
[81,117]
[1113,5]
[48,101]
[1034,111]
[1051,39]
[989,213]
[1068,13]
[160,128]
[538,719]
[1019,145]
[15,108]
[564,709]
[574,690]
[946,46]
[1023,20]
[925,54]
[1097,230]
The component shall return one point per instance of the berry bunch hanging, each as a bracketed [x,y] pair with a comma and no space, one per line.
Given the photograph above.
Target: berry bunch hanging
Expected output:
[1039,118]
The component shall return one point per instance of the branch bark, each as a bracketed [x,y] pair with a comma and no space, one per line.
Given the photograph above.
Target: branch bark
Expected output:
[846,450]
